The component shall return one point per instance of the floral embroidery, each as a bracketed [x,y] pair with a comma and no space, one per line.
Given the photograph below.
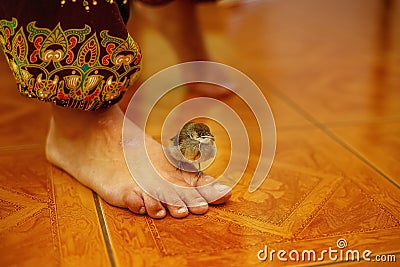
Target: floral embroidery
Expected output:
[70,67]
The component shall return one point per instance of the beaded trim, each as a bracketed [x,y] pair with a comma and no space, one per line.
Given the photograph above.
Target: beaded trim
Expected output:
[86,3]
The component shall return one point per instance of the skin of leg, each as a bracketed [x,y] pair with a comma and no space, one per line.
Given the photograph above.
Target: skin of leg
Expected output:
[179,23]
[88,145]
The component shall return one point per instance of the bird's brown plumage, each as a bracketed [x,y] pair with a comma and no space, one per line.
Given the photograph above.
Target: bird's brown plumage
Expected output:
[193,139]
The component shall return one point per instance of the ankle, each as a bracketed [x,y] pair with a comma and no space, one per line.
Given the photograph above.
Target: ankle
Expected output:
[72,123]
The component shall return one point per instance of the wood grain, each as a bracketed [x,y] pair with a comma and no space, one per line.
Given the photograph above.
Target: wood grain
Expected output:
[80,234]
[378,143]
[25,226]
[43,209]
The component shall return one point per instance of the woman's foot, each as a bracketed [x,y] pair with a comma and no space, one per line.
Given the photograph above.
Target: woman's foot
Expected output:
[208,90]
[88,145]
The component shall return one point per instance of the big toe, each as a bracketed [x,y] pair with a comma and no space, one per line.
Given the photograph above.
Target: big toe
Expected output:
[213,191]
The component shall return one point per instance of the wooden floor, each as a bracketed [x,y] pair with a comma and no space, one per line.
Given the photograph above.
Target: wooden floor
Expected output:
[330,70]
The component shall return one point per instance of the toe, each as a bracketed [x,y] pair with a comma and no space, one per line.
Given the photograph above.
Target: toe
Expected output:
[200,206]
[194,201]
[179,211]
[212,191]
[134,203]
[153,207]
[176,207]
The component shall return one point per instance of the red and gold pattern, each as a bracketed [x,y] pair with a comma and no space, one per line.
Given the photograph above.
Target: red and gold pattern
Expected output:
[78,68]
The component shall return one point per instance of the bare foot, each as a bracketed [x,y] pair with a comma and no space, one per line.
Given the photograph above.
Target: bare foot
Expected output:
[88,145]
[215,77]
[208,90]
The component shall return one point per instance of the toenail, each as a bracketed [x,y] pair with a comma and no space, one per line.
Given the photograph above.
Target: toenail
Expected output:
[208,179]
[221,187]
[142,210]
[201,204]
[160,213]
[182,210]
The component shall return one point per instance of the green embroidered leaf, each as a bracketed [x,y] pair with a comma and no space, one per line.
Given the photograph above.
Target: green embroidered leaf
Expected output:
[128,45]
[56,37]
[106,38]
[35,31]
[81,33]
[10,24]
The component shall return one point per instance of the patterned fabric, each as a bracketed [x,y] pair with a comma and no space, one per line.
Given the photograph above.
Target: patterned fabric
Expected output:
[88,66]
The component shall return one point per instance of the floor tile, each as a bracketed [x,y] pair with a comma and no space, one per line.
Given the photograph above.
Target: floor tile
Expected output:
[43,209]
[307,207]
[376,142]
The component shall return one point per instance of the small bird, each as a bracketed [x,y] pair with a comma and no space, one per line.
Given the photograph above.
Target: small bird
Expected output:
[193,144]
